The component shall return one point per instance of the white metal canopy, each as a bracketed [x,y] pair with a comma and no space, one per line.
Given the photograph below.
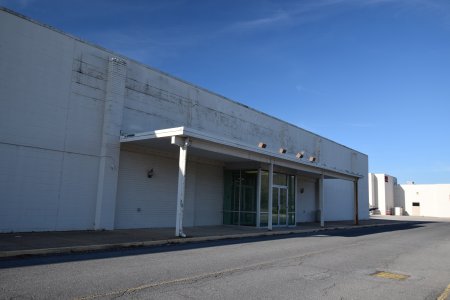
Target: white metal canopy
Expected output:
[208,144]
[234,148]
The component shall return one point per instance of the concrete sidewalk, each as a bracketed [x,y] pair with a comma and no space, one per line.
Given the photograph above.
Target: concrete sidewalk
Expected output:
[43,243]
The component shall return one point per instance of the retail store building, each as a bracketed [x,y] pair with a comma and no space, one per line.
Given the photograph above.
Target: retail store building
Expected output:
[93,140]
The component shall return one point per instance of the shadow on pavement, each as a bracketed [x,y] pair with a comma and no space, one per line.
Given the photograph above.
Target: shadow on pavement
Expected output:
[122,252]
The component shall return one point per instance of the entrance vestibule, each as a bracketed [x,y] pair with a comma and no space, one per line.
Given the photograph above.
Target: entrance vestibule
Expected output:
[246,198]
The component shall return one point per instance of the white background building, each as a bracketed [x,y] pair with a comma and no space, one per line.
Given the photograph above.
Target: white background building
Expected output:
[381,192]
[429,200]
[91,140]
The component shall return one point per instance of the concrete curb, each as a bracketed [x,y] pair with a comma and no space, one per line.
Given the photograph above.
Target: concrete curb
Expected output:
[89,248]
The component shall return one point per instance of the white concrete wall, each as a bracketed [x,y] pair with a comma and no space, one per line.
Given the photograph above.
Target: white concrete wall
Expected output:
[50,127]
[306,202]
[156,100]
[338,205]
[142,201]
[46,190]
[360,164]
[389,196]
[338,200]
[151,202]
[208,197]
[382,192]
[434,199]
[60,156]
[373,190]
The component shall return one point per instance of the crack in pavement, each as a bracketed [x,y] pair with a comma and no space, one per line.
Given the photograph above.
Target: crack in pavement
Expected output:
[221,273]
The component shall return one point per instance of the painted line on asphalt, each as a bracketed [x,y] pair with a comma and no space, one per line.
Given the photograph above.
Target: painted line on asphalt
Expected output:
[445,294]
[390,275]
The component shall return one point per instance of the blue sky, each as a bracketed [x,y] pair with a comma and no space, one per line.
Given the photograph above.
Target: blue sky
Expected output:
[370,74]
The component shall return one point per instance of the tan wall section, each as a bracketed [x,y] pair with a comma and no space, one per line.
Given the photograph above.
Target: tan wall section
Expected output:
[434,199]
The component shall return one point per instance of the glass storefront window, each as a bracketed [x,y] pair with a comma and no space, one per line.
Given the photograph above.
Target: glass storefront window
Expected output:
[240,198]
[264,192]
[239,205]
[280,179]
[248,219]
[291,188]
[263,219]
[291,220]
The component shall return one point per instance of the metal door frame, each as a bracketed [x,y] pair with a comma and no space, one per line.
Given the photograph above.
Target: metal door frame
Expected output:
[279,188]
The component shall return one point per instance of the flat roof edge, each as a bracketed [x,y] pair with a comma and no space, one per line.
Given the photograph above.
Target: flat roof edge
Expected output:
[2,8]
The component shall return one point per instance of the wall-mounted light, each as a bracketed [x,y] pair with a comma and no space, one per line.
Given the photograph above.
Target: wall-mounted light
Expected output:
[150,173]
[282,150]
[262,145]
[312,158]
[300,154]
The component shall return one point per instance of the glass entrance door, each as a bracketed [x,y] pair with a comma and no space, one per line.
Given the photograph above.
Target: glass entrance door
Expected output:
[280,203]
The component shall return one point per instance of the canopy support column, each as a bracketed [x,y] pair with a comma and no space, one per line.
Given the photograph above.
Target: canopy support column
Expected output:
[269,221]
[258,199]
[183,143]
[321,202]
[356,203]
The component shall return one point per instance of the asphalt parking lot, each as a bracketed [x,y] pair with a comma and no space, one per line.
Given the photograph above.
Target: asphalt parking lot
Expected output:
[402,261]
